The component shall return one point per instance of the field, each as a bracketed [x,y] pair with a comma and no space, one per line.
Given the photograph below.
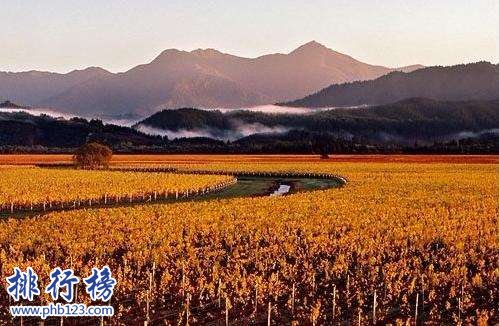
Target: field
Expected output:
[25,159]
[408,239]
[28,187]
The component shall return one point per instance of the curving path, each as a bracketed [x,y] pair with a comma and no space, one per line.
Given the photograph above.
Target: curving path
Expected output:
[248,184]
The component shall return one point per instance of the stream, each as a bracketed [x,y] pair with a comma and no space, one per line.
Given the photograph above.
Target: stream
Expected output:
[282,190]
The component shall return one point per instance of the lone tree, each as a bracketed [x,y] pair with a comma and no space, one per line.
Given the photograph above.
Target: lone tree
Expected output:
[92,155]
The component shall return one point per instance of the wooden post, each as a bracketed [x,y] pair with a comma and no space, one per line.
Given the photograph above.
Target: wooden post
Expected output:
[459,310]
[348,286]
[293,300]
[226,311]
[150,282]
[416,311]
[153,272]
[183,280]
[148,302]
[360,317]
[269,314]
[188,312]
[334,301]
[422,298]
[374,307]
[256,299]
[147,308]
[218,290]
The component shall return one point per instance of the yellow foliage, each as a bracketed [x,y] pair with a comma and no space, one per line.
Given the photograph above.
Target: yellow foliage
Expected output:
[391,227]
[26,186]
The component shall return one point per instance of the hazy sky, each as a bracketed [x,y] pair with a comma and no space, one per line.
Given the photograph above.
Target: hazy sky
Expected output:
[62,35]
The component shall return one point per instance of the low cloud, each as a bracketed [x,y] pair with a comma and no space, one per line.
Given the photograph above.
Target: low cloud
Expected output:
[172,134]
[472,134]
[39,112]
[125,122]
[277,109]
[239,130]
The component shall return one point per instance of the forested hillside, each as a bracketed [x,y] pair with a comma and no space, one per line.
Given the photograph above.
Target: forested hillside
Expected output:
[476,81]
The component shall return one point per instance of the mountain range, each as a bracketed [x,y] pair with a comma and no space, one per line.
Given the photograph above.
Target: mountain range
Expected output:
[200,78]
[474,81]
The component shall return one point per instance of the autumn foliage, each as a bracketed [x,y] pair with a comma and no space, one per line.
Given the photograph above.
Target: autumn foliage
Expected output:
[92,155]
[400,243]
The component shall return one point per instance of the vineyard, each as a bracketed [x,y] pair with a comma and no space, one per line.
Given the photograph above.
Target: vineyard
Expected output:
[44,189]
[400,243]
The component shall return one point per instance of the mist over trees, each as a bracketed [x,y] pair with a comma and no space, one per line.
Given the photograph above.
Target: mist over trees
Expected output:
[413,125]
[403,122]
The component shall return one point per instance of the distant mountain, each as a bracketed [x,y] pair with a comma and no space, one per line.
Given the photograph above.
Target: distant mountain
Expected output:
[187,119]
[24,129]
[475,81]
[404,121]
[200,78]
[33,87]
[9,105]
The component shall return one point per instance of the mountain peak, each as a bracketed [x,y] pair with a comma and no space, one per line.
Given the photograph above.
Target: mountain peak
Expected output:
[206,52]
[311,47]
[90,70]
[169,52]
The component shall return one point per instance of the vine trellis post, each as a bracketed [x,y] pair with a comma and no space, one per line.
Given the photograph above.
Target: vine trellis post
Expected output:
[269,314]
[416,310]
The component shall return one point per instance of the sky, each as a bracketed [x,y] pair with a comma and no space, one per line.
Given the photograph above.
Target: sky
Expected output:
[63,35]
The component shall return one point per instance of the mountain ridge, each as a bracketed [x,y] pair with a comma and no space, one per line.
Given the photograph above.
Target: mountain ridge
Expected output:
[474,81]
[202,77]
